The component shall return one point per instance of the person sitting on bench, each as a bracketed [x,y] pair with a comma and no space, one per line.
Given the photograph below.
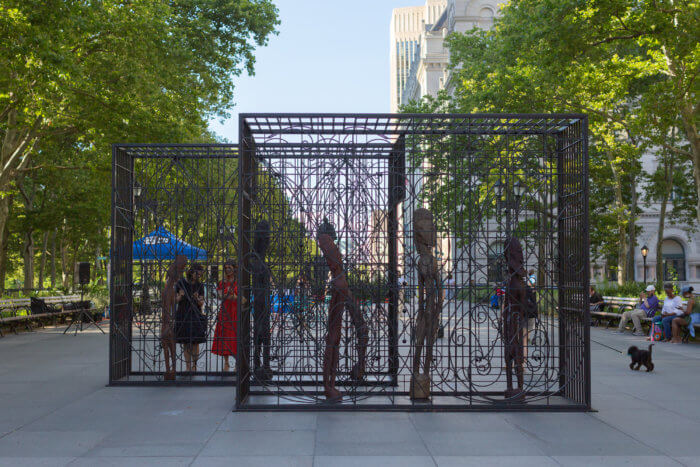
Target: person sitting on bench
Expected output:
[689,316]
[646,308]
[673,308]
[595,300]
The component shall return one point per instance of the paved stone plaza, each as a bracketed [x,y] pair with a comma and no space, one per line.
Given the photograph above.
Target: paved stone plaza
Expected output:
[55,409]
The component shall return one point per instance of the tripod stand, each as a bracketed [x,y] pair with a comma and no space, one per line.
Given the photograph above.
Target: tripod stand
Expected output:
[83,316]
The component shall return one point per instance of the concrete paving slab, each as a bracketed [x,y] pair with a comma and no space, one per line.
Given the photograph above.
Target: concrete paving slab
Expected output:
[366,461]
[57,411]
[481,443]
[443,421]
[682,440]
[391,442]
[255,461]
[495,461]
[48,443]
[616,461]
[165,449]
[260,443]
[266,421]
[577,434]
[367,434]
[35,461]
[690,461]
[131,462]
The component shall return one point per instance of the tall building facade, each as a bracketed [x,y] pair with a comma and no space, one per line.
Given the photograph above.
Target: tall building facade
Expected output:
[429,72]
[419,67]
[407,25]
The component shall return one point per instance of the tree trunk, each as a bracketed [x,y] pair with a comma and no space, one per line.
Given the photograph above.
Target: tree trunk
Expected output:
[94,275]
[65,278]
[622,234]
[53,259]
[659,241]
[42,263]
[72,266]
[14,156]
[668,177]
[28,259]
[688,113]
[622,256]
[696,176]
[632,234]
[5,205]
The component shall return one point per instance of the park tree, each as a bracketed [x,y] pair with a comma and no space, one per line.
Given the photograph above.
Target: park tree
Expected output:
[98,72]
[656,42]
[647,56]
[627,64]
[487,77]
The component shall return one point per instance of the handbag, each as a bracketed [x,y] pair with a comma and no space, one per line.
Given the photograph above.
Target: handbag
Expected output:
[656,333]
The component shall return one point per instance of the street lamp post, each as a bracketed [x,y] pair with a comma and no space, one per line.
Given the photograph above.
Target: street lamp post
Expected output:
[645,251]
[518,192]
[512,203]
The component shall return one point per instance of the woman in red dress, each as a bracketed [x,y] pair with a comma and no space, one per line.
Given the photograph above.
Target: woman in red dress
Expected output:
[226,333]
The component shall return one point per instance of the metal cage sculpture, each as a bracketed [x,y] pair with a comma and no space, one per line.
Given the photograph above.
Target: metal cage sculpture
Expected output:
[508,194]
[168,200]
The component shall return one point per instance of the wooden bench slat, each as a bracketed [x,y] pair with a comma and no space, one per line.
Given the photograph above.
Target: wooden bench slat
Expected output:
[14,305]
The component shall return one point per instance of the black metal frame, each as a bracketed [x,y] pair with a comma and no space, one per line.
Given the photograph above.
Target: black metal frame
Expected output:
[189,189]
[362,169]
[367,173]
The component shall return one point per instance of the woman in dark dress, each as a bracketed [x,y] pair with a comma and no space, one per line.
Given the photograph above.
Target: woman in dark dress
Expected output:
[190,322]
[226,334]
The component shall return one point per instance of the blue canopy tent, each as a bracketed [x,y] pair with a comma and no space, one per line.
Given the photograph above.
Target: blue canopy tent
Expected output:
[161,244]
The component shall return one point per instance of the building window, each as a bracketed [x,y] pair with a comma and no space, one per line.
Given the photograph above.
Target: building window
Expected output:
[673,257]
[486,16]
[496,262]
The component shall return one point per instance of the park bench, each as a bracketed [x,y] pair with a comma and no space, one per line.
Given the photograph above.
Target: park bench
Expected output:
[622,305]
[14,311]
[25,311]
[606,313]
[686,334]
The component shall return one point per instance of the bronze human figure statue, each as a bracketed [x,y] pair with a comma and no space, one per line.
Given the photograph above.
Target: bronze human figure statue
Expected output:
[167,330]
[341,299]
[429,302]
[261,301]
[513,317]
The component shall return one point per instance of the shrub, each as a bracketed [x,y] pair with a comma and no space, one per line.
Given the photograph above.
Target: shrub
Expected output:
[629,289]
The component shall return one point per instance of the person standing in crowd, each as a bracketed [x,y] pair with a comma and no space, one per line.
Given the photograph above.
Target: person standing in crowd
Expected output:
[450,286]
[190,321]
[226,334]
[692,309]
[673,308]
[404,292]
[531,278]
[646,308]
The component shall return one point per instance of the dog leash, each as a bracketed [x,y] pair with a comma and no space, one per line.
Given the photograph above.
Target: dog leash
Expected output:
[604,345]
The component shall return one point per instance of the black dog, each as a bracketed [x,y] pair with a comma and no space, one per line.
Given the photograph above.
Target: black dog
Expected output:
[640,357]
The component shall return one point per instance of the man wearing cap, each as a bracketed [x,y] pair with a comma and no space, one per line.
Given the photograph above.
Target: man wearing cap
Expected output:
[673,307]
[646,309]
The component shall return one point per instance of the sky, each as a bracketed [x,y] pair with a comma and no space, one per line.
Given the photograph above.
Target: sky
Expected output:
[329,56]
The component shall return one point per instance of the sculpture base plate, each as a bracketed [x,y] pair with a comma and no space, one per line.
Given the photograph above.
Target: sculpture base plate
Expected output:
[420,386]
